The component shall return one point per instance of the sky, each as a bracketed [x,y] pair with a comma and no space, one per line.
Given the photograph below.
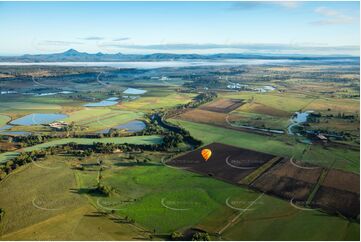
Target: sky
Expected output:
[324,28]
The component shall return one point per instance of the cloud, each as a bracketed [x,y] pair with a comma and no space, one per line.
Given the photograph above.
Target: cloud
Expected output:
[332,17]
[236,48]
[289,5]
[60,43]
[248,5]
[93,38]
[121,39]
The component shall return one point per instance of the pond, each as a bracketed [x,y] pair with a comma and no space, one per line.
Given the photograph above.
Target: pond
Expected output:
[297,119]
[38,118]
[131,127]
[134,91]
[112,99]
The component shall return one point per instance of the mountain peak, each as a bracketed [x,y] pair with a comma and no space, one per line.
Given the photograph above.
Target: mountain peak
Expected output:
[71,51]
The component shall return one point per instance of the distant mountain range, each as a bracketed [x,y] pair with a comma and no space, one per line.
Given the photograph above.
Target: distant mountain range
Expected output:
[72,55]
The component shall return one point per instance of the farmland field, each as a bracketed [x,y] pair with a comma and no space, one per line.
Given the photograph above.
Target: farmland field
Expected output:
[179,147]
[315,155]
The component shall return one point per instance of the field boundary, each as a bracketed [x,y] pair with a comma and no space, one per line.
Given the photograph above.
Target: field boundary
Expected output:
[248,180]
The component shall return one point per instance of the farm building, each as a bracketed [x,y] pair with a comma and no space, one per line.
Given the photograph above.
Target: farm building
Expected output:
[59,125]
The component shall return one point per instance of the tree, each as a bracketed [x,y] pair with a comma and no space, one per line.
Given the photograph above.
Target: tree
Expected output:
[200,237]
[176,236]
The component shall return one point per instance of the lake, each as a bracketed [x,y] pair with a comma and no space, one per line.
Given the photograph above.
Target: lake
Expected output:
[38,118]
[134,91]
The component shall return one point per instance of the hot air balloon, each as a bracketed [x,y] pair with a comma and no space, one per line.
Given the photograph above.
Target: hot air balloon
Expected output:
[206,153]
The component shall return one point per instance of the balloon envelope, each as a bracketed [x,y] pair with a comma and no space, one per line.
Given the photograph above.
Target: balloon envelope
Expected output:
[206,154]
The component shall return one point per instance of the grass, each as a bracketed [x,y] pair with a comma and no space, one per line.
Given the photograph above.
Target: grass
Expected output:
[4,119]
[154,102]
[284,222]
[260,120]
[86,114]
[347,160]
[166,200]
[11,106]
[114,120]
[93,119]
[285,102]
[53,186]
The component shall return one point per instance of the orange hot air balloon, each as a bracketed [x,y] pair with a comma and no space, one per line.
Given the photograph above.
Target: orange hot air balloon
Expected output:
[206,153]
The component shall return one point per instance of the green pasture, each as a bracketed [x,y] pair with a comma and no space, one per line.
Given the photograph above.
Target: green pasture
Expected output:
[93,119]
[259,120]
[286,102]
[4,119]
[274,219]
[166,199]
[147,103]
[26,106]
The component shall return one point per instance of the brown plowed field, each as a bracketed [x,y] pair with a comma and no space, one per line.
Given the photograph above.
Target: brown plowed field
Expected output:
[223,105]
[339,193]
[214,118]
[227,162]
[342,180]
[203,116]
[288,181]
[337,201]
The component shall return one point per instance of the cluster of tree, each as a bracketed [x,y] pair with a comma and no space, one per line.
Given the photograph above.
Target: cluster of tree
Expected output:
[103,190]
[204,82]
[340,115]
[183,134]
[202,98]
[176,236]
[170,140]
[198,236]
[345,116]
[22,159]
[31,140]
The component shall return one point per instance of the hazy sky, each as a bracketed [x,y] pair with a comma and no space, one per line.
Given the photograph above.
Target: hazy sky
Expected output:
[180,27]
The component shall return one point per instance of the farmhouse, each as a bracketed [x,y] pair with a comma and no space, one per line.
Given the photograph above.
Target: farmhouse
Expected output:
[59,125]
[322,137]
